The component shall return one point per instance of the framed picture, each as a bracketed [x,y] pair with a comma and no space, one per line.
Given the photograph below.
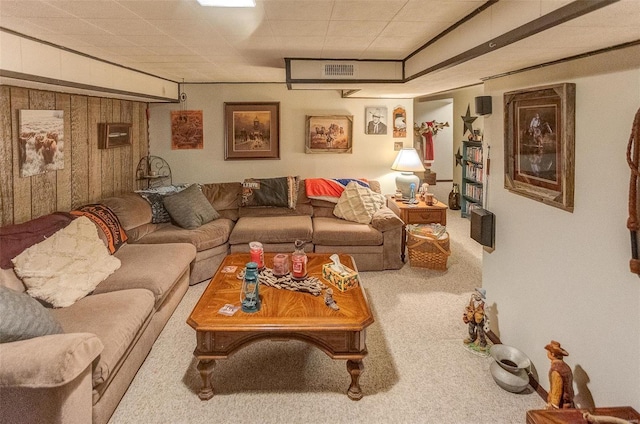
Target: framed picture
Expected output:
[186,129]
[252,131]
[399,122]
[539,143]
[329,134]
[114,135]
[41,141]
[376,120]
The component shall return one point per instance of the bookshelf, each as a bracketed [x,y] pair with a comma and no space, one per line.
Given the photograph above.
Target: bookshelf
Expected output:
[472,176]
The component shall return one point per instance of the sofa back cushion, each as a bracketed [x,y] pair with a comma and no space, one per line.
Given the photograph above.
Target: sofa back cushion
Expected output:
[132,210]
[224,197]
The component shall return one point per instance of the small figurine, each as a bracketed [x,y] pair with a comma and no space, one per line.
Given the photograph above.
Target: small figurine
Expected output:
[329,301]
[560,378]
[474,316]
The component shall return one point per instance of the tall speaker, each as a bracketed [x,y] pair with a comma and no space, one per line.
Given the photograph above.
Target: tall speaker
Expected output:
[482,226]
[483,105]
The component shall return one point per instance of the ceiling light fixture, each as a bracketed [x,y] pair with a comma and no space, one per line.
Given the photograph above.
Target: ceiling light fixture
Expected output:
[228,3]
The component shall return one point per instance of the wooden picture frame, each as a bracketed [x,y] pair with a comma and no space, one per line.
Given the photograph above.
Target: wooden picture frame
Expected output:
[252,131]
[40,141]
[539,125]
[112,135]
[329,134]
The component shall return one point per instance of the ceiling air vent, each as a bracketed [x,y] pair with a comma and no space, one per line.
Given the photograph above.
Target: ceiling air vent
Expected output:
[338,70]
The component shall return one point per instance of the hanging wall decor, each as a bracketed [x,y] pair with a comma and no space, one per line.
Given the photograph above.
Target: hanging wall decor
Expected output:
[539,143]
[376,120]
[41,141]
[399,122]
[186,129]
[329,134]
[252,131]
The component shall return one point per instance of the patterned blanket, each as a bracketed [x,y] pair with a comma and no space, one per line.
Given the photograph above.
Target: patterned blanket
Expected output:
[330,189]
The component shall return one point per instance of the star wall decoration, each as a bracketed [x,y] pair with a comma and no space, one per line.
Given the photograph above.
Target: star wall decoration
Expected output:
[468,120]
[458,157]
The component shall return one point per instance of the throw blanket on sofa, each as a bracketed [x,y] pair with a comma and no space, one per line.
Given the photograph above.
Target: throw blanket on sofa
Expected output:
[329,189]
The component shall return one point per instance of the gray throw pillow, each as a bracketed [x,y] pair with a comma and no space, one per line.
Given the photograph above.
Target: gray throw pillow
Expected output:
[24,318]
[190,208]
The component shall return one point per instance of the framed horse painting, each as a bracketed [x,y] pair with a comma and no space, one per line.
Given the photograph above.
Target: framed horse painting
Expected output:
[539,143]
[329,134]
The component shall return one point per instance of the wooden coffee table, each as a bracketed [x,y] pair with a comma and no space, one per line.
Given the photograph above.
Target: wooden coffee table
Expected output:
[285,315]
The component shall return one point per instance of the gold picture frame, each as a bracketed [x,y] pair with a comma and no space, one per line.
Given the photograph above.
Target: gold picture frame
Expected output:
[252,131]
[539,125]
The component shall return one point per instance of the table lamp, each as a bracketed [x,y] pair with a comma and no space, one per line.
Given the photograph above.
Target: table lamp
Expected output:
[407,162]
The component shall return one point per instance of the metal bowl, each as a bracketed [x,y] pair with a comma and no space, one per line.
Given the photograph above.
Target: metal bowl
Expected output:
[509,358]
[513,382]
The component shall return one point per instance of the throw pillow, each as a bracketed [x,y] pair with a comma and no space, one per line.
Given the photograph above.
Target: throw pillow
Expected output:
[155,197]
[190,208]
[278,192]
[24,318]
[107,221]
[15,238]
[358,203]
[67,266]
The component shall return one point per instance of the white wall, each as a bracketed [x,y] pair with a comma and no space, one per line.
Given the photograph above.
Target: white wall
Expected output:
[440,111]
[371,158]
[565,276]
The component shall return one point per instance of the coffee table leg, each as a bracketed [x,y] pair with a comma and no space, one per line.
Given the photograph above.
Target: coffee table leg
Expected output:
[205,367]
[355,369]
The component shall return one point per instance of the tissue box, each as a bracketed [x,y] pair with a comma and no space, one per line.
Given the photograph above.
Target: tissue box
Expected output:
[342,282]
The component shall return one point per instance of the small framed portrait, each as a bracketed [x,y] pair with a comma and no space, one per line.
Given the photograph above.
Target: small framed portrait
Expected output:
[252,131]
[376,120]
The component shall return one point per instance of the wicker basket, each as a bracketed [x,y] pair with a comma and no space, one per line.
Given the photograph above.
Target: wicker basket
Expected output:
[428,251]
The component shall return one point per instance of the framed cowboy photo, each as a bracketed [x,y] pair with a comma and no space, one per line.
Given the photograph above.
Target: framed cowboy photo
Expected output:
[539,144]
[375,120]
[329,134]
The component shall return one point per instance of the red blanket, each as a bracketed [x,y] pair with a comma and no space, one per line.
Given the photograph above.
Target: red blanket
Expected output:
[14,239]
[329,189]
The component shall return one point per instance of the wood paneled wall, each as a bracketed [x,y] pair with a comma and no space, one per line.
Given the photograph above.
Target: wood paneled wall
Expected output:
[89,173]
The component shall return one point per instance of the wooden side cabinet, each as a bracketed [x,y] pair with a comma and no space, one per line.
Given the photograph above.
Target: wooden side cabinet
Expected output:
[574,416]
[419,213]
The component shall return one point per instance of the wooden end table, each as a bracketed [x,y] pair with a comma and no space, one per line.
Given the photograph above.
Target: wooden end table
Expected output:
[285,315]
[419,213]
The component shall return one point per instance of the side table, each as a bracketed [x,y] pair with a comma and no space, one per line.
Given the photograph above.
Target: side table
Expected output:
[419,213]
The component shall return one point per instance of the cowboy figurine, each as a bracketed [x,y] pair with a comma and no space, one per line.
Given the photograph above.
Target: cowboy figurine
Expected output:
[560,378]
[475,318]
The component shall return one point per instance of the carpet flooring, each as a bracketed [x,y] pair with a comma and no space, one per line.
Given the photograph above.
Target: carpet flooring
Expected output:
[417,370]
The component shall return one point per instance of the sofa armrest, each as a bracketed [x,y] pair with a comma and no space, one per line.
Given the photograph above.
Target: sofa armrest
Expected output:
[47,361]
[384,219]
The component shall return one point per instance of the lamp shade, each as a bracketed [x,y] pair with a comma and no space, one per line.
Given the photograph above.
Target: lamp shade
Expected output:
[408,161]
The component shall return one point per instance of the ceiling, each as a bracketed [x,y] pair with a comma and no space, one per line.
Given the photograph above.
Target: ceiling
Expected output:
[181,41]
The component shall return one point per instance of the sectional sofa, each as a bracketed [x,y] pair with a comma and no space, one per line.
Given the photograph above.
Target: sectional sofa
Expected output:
[79,374]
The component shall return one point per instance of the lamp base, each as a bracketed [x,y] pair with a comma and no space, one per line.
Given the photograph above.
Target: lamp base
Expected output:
[404,181]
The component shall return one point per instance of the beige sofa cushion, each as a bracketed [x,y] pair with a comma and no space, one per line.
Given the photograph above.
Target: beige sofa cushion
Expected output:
[155,267]
[281,229]
[117,318]
[224,197]
[333,231]
[212,234]
[132,210]
[61,358]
